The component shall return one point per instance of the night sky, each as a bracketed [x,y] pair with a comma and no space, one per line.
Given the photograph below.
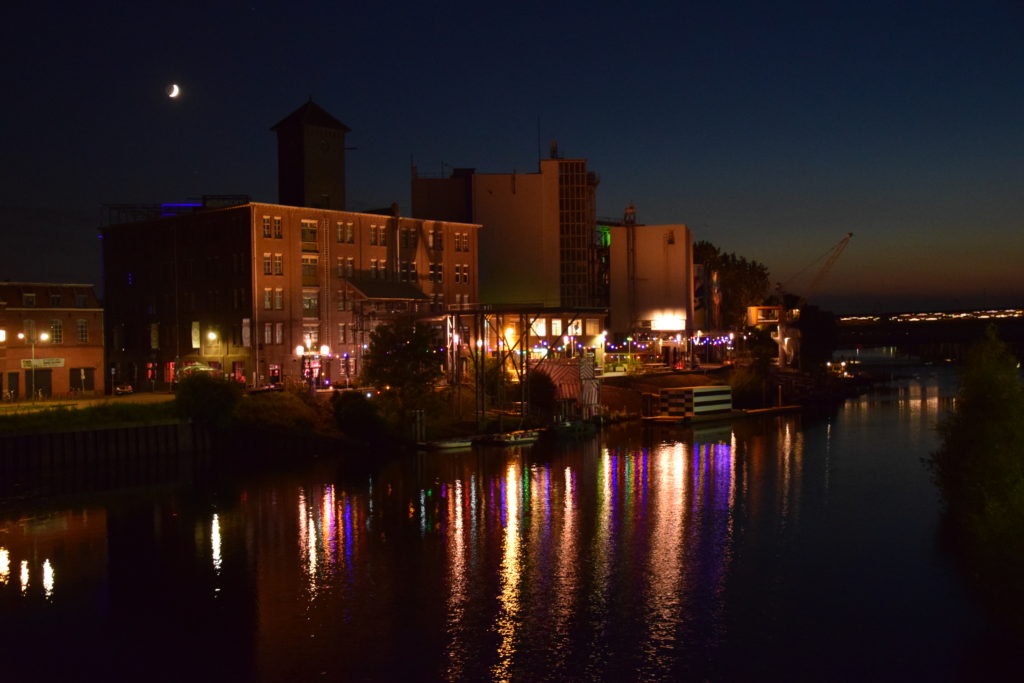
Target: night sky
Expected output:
[771,131]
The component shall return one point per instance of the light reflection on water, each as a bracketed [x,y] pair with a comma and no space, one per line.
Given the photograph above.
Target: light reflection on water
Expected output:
[650,554]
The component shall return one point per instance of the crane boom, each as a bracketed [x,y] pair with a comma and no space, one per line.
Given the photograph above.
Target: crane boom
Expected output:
[833,255]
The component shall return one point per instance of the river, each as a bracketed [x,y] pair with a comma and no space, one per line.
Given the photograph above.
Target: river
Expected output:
[791,547]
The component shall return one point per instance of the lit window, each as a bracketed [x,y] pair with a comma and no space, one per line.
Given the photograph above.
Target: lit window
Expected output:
[268,333]
[266,264]
[277,227]
[56,332]
[278,333]
[266,299]
[266,226]
[278,299]
[278,264]
[556,327]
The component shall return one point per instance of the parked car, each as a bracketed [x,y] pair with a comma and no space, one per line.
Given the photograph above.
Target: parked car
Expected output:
[122,389]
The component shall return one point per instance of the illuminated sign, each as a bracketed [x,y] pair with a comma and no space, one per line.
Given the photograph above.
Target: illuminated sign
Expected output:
[28,363]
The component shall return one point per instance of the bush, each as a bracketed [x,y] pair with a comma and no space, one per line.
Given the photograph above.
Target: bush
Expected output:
[277,411]
[356,416]
[979,470]
[207,400]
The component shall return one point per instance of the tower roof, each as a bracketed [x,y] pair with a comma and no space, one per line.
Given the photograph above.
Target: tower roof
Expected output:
[311,114]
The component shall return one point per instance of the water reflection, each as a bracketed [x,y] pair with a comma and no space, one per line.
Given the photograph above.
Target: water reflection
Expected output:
[649,554]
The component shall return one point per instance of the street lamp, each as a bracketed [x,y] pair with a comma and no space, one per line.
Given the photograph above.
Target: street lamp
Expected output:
[42,336]
[306,353]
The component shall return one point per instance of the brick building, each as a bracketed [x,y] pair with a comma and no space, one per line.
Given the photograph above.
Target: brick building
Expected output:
[51,340]
[236,290]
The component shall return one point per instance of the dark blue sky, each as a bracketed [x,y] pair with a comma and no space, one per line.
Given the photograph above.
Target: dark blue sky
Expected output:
[770,130]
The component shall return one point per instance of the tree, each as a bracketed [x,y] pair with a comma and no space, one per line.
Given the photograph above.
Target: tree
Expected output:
[818,337]
[742,283]
[207,400]
[404,357]
[979,469]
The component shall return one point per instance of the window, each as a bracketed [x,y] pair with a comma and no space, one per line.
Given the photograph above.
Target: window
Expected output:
[56,332]
[311,304]
[266,226]
[341,333]
[436,272]
[350,267]
[268,333]
[82,330]
[465,273]
[266,264]
[373,269]
[593,327]
[309,231]
[309,264]
[54,300]
[373,235]
[556,327]
[383,236]
[278,299]
[311,335]
[278,234]
[576,328]
[410,237]
[278,264]
[79,300]
[266,299]
[539,328]
[278,333]
[29,326]
[28,299]
[435,239]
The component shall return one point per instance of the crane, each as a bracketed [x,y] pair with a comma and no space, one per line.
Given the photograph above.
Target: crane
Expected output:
[786,351]
[830,257]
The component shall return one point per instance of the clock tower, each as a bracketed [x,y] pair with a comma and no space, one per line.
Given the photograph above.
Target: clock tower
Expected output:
[311,158]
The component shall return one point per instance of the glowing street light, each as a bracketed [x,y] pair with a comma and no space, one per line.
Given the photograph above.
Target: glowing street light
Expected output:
[42,336]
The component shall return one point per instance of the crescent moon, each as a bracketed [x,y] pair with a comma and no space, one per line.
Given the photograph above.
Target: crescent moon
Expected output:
[174,90]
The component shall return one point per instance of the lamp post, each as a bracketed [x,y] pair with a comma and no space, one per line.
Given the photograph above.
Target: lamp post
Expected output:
[305,354]
[42,336]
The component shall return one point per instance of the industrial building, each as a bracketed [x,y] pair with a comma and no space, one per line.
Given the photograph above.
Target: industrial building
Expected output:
[538,243]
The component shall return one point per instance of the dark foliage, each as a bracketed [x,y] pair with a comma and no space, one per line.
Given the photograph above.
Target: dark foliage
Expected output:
[980,471]
[207,400]
[542,395]
[819,335]
[742,283]
[405,358]
[357,417]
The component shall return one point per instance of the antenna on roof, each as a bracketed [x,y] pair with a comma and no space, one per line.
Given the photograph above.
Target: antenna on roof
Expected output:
[538,142]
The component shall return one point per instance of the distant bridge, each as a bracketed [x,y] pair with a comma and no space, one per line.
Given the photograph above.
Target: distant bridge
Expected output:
[943,334]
